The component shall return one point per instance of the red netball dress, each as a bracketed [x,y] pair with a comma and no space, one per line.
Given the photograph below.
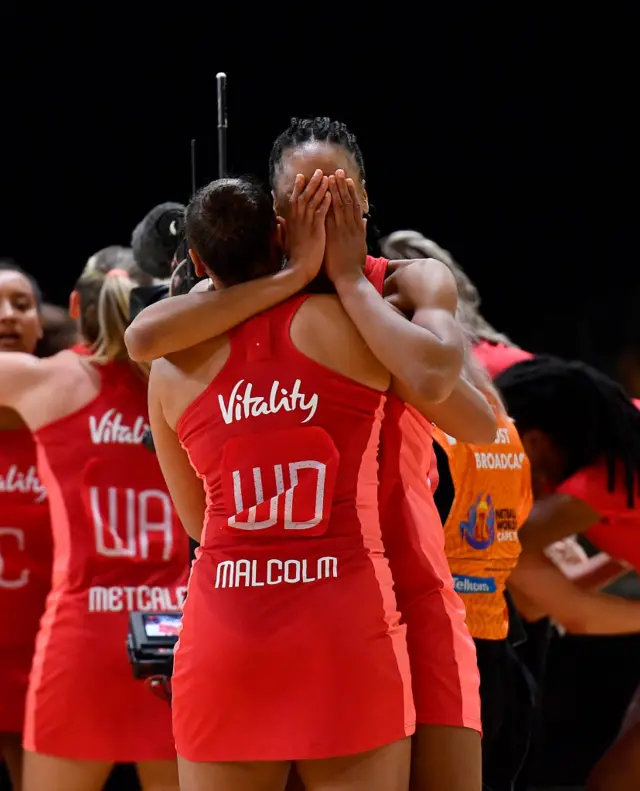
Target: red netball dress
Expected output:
[25,569]
[291,646]
[444,669]
[118,547]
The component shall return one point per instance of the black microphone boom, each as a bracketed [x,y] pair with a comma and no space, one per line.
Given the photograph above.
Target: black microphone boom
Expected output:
[221,79]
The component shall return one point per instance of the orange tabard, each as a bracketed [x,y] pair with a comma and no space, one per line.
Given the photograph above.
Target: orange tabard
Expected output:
[492,499]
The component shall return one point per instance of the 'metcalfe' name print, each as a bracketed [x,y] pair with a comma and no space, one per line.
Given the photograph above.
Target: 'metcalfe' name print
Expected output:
[110,430]
[243,404]
[16,480]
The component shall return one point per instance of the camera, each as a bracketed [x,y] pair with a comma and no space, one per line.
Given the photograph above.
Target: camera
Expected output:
[151,642]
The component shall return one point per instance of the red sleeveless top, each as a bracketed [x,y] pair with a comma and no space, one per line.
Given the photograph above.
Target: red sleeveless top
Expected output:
[118,543]
[291,645]
[407,464]
[25,544]
[283,455]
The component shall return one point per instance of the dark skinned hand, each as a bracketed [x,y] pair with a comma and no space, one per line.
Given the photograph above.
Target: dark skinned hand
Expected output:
[346,242]
[302,234]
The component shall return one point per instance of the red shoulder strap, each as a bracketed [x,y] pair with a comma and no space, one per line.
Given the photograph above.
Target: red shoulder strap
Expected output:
[375,270]
[259,337]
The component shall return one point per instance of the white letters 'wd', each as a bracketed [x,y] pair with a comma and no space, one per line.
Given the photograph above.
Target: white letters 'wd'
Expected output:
[124,516]
[289,522]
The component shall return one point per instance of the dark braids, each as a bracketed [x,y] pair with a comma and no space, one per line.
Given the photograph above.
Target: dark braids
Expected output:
[586,414]
[307,130]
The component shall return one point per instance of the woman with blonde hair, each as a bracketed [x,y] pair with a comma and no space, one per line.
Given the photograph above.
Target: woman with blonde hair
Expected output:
[118,547]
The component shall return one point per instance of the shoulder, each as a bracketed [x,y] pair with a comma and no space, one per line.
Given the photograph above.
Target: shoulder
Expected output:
[323,304]
[202,285]
[322,331]
[324,313]
[32,385]
[188,361]
[422,282]
[20,365]
[430,268]
[323,322]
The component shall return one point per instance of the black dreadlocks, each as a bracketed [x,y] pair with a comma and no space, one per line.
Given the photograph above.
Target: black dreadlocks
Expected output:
[306,130]
[586,414]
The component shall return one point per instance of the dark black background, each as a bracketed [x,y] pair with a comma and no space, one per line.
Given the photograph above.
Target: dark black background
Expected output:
[505,132]
[507,135]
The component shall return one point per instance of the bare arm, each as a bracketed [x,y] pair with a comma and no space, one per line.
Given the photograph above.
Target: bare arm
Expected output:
[600,571]
[578,611]
[178,323]
[465,414]
[588,573]
[19,374]
[424,354]
[554,518]
[186,489]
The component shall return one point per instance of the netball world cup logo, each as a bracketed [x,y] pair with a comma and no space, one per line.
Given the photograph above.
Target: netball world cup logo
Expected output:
[479,528]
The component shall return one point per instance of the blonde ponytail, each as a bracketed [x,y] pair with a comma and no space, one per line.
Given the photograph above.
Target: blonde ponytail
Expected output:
[104,292]
[113,312]
[113,318]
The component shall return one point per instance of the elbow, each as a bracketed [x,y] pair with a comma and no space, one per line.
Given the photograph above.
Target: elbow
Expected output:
[576,625]
[435,380]
[139,344]
[432,387]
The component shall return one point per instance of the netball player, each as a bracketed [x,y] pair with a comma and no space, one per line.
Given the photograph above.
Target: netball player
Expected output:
[305,657]
[109,259]
[582,435]
[117,547]
[448,754]
[25,530]
[483,496]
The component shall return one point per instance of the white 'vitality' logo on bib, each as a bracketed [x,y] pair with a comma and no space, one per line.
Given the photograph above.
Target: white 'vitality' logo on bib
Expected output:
[241,405]
[110,430]
[23,482]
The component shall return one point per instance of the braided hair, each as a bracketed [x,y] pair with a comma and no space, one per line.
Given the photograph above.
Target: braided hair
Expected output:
[587,415]
[323,130]
[309,130]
